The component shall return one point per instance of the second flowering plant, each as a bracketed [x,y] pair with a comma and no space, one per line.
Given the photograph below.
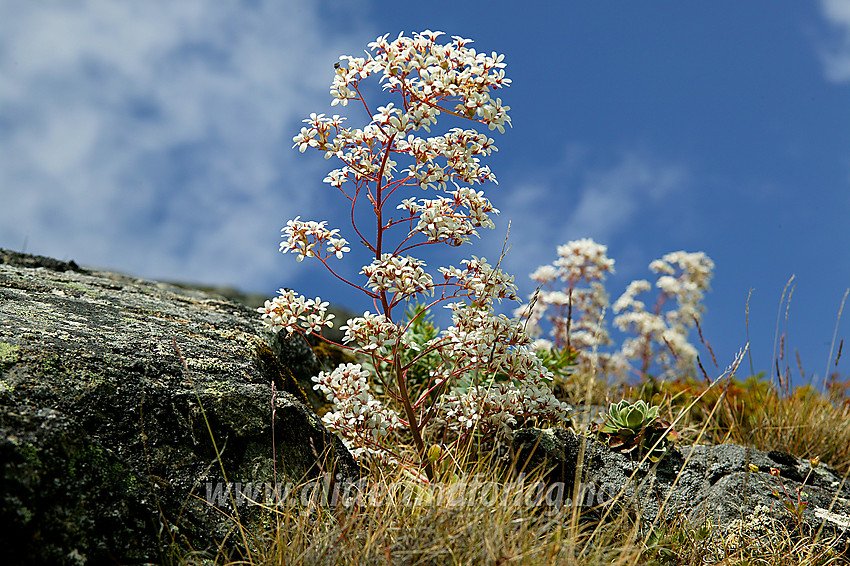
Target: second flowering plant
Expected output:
[378,401]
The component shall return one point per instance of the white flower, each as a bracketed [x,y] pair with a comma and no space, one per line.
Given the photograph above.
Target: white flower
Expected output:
[337,177]
[292,312]
[301,237]
[398,274]
[338,246]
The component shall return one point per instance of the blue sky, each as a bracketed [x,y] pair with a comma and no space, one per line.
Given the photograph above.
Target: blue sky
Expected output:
[155,138]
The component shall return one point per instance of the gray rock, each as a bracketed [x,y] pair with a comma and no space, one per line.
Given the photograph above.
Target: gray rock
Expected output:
[696,483]
[106,440]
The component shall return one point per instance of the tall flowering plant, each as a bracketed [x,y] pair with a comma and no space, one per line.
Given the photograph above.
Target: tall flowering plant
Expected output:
[572,299]
[660,334]
[427,79]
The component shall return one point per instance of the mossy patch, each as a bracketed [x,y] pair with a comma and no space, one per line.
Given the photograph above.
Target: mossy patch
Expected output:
[219,388]
[9,355]
[93,460]
[28,452]
[331,357]
[79,288]
[206,365]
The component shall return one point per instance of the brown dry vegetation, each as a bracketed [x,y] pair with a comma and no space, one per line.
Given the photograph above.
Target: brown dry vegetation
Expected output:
[753,412]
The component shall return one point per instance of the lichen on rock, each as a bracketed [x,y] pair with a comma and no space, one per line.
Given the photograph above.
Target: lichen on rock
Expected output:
[114,392]
[721,484]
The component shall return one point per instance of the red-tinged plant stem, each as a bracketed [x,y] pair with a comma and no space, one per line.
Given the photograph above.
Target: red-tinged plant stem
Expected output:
[411,415]
[379,205]
[398,370]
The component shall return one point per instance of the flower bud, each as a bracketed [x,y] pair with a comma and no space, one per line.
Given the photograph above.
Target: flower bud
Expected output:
[434,453]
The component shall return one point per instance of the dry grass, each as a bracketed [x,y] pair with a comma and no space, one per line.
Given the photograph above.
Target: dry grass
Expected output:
[497,525]
[755,413]
[496,534]
[806,424]
[502,528]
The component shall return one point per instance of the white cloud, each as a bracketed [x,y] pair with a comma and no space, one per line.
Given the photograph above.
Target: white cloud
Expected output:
[588,201]
[155,136]
[611,199]
[836,56]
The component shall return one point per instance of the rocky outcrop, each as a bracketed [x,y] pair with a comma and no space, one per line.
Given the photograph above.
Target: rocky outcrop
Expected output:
[116,394]
[725,484]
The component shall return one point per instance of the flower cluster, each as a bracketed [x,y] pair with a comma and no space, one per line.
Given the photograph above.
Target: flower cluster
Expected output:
[685,278]
[396,274]
[583,260]
[499,407]
[484,368]
[497,380]
[431,79]
[302,238]
[439,71]
[441,219]
[663,336]
[318,133]
[460,150]
[483,283]
[488,342]
[356,413]
[576,312]
[293,312]
[375,333]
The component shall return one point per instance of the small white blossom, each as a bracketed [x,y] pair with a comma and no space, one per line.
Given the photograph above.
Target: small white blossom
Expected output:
[398,274]
[293,312]
[338,246]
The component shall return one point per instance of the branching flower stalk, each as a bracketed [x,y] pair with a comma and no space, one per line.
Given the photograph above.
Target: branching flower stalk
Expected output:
[573,311]
[429,79]
[682,282]
[657,338]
